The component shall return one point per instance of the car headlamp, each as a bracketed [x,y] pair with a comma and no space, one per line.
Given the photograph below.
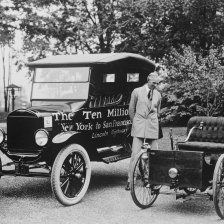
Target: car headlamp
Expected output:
[173,173]
[2,136]
[41,137]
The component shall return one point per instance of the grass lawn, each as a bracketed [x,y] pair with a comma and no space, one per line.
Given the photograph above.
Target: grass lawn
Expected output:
[179,134]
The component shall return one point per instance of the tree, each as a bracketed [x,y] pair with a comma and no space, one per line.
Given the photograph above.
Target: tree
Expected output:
[148,27]
[7,32]
[60,26]
[154,27]
[196,85]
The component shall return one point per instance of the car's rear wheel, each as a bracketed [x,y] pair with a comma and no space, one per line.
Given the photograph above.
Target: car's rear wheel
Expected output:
[218,187]
[71,174]
[143,194]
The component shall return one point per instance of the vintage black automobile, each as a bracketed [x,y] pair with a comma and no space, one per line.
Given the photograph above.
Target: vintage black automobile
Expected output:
[78,114]
[193,169]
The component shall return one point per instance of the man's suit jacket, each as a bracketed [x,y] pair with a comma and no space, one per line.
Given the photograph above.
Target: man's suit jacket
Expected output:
[144,113]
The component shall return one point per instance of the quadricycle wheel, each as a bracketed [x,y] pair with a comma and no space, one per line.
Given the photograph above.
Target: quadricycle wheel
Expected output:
[218,187]
[143,193]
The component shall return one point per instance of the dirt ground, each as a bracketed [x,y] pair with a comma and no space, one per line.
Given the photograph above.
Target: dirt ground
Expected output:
[30,201]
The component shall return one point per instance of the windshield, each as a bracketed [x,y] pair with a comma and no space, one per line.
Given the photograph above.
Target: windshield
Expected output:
[65,74]
[61,83]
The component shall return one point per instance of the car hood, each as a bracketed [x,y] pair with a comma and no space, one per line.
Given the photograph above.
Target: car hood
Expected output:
[50,108]
[62,107]
[47,110]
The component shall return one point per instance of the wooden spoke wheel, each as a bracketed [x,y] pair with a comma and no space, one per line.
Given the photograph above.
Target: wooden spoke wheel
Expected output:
[70,175]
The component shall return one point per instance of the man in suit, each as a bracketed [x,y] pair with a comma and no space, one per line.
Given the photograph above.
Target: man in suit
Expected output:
[144,111]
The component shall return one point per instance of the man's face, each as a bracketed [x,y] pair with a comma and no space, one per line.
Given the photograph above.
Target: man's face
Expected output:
[152,84]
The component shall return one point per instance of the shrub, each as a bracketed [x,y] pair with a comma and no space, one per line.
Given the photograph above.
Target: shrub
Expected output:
[195,85]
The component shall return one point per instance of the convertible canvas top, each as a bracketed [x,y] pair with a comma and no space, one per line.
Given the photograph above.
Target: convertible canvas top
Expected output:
[94,59]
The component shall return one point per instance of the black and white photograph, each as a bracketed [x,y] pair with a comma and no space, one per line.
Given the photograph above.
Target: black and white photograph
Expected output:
[111,111]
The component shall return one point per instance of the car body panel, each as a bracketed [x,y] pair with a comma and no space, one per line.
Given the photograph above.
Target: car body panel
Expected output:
[190,166]
[95,115]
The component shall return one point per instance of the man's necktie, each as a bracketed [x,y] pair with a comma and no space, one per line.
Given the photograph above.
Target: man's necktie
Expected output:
[150,95]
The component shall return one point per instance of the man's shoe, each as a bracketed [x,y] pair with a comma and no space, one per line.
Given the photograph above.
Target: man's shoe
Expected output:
[127,188]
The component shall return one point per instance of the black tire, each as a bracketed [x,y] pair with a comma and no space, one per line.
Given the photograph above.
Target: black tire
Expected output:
[218,187]
[71,174]
[143,194]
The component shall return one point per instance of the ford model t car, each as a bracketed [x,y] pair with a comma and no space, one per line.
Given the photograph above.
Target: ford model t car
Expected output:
[78,114]
[193,169]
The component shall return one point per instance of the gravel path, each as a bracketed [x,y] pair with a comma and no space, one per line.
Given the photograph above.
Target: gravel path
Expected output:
[30,200]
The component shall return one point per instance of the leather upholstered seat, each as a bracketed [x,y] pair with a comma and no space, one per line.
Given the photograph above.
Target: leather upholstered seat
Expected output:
[208,139]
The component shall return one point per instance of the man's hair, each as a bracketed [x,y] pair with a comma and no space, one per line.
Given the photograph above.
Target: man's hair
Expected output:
[152,74]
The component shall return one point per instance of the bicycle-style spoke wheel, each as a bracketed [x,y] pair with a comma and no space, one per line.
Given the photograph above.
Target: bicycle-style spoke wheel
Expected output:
[218,187]
[143,194]
[71,175]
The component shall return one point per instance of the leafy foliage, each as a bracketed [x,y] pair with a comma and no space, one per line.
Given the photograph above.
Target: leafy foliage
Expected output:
[148,27]
[154,27]
[68,26]
[7,31]
[159,29]
[196,85]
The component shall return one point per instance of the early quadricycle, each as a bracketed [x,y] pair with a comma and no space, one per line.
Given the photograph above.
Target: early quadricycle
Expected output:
[78,114]
[193,169]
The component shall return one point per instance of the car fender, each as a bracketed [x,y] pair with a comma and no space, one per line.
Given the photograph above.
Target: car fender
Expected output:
[63,136]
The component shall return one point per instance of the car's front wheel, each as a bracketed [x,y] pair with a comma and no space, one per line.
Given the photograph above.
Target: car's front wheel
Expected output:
[71,174]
